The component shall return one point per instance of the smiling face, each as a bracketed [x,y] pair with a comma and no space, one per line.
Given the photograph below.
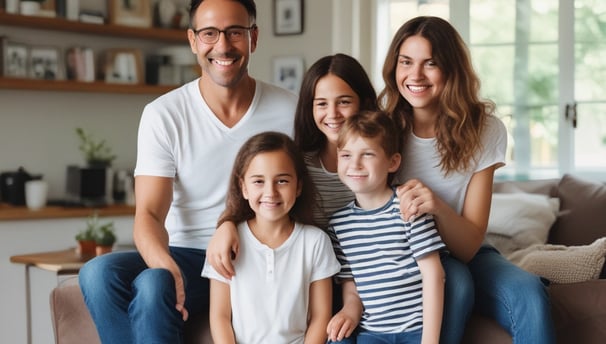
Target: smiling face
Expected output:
[363,166]
[271,186]
[334,101]
[224,62]
[419,79]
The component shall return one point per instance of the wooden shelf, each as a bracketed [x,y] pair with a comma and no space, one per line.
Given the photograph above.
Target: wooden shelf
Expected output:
[75,86]
[60,24]
[10,213]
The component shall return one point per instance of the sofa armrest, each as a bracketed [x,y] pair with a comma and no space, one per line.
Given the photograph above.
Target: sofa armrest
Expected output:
[579,311]
[72,323]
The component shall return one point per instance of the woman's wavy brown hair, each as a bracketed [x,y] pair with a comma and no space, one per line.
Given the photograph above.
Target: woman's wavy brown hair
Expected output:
[462,113]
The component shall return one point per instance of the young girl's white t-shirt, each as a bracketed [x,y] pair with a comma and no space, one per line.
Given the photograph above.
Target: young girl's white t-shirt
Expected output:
[270,291]
[180,137]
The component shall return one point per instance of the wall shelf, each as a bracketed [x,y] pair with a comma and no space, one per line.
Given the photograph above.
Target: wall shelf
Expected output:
[75,86]
[69,26]
[60,24]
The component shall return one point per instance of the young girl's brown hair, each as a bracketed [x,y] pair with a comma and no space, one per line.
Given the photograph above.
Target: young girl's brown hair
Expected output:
[237,208]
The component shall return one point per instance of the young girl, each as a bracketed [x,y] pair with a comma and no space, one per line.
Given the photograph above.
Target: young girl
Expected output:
[395,263]
[281,292]
[453,144]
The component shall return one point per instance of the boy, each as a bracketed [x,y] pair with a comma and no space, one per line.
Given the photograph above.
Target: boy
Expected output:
[394,263]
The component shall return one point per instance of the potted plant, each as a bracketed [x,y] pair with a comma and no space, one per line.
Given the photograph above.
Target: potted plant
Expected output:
[86,241]
[96,152]
[95,238]
[105,238]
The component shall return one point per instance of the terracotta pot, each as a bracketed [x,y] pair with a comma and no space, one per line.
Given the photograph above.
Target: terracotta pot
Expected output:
[86,248]
[103,249]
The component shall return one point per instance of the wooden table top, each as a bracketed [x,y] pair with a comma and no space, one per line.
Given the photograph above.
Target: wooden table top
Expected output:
[64,261]
[59,261]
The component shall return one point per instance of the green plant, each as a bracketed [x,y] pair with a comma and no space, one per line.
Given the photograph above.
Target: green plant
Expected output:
[102,234]
[96,153]
[106,235]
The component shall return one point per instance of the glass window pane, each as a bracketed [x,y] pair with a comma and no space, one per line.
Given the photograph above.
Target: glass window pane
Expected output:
[590,72]
[590,136]
[542,77]
[494,65]
[491,22]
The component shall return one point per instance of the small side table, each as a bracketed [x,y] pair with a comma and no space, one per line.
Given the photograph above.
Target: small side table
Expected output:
[65,262]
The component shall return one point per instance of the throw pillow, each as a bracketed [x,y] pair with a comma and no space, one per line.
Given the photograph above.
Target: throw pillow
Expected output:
[582,218]
[518,220]
[563,264]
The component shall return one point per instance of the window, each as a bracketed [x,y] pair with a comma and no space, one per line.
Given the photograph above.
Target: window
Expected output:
[543,63]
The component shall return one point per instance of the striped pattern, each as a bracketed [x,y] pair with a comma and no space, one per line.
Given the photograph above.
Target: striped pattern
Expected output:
[333,194]
[378,249]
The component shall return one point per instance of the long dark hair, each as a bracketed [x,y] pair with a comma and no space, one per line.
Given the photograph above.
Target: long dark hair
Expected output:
[307,135]
[237,208]
[461,112]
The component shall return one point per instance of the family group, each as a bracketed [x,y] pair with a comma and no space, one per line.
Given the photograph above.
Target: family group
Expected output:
[336,215]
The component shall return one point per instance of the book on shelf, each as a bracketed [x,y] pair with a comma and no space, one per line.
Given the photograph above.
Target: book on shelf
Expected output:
[80,64]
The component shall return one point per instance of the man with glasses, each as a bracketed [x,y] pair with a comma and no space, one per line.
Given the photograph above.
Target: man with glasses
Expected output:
[187,142]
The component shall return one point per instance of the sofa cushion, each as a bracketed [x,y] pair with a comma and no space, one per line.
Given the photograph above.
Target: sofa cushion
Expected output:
[582,217]
[518,220]
[563,264]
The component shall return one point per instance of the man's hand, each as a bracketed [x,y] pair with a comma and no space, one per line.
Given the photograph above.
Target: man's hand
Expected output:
[222,248]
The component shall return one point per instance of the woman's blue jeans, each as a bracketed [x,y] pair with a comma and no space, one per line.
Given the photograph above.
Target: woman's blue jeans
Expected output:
[131,303]
[516,299]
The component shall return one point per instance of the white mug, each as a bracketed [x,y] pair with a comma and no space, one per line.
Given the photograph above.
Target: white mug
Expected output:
[35,194]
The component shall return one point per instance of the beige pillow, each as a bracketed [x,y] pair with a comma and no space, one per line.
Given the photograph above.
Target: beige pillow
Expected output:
[563,264]
[519,220]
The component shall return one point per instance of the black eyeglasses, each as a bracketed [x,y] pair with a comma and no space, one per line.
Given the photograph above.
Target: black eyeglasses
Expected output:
[210,35]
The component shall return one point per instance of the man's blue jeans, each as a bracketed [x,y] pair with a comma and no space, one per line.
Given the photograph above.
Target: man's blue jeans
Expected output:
[131,303]
[516,299]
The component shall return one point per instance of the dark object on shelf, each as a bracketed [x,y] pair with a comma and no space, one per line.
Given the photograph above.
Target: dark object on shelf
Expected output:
[86,185]
[12,186]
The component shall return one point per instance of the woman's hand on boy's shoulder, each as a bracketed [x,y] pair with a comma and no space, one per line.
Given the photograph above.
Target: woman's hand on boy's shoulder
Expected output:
[415,199]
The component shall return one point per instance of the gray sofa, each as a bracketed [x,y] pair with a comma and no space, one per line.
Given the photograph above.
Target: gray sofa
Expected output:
[578,309]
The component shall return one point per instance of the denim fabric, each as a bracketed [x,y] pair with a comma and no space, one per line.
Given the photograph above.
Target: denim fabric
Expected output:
[367,337]
[131,303]
[516,299]
[458,299]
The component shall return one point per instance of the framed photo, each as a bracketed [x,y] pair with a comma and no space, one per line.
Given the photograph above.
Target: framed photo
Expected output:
[44,63]
[124,66]
[288,72]
[14,59]
[288,17]
[136,13]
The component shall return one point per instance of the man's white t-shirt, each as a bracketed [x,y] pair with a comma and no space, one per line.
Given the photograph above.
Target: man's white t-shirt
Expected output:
[270,291]
[180,137]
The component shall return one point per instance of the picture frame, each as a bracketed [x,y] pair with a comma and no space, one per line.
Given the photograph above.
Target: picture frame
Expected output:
[124,66]
[288,72]
[44,63]
[14,62]
[288,17]
[137,13]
